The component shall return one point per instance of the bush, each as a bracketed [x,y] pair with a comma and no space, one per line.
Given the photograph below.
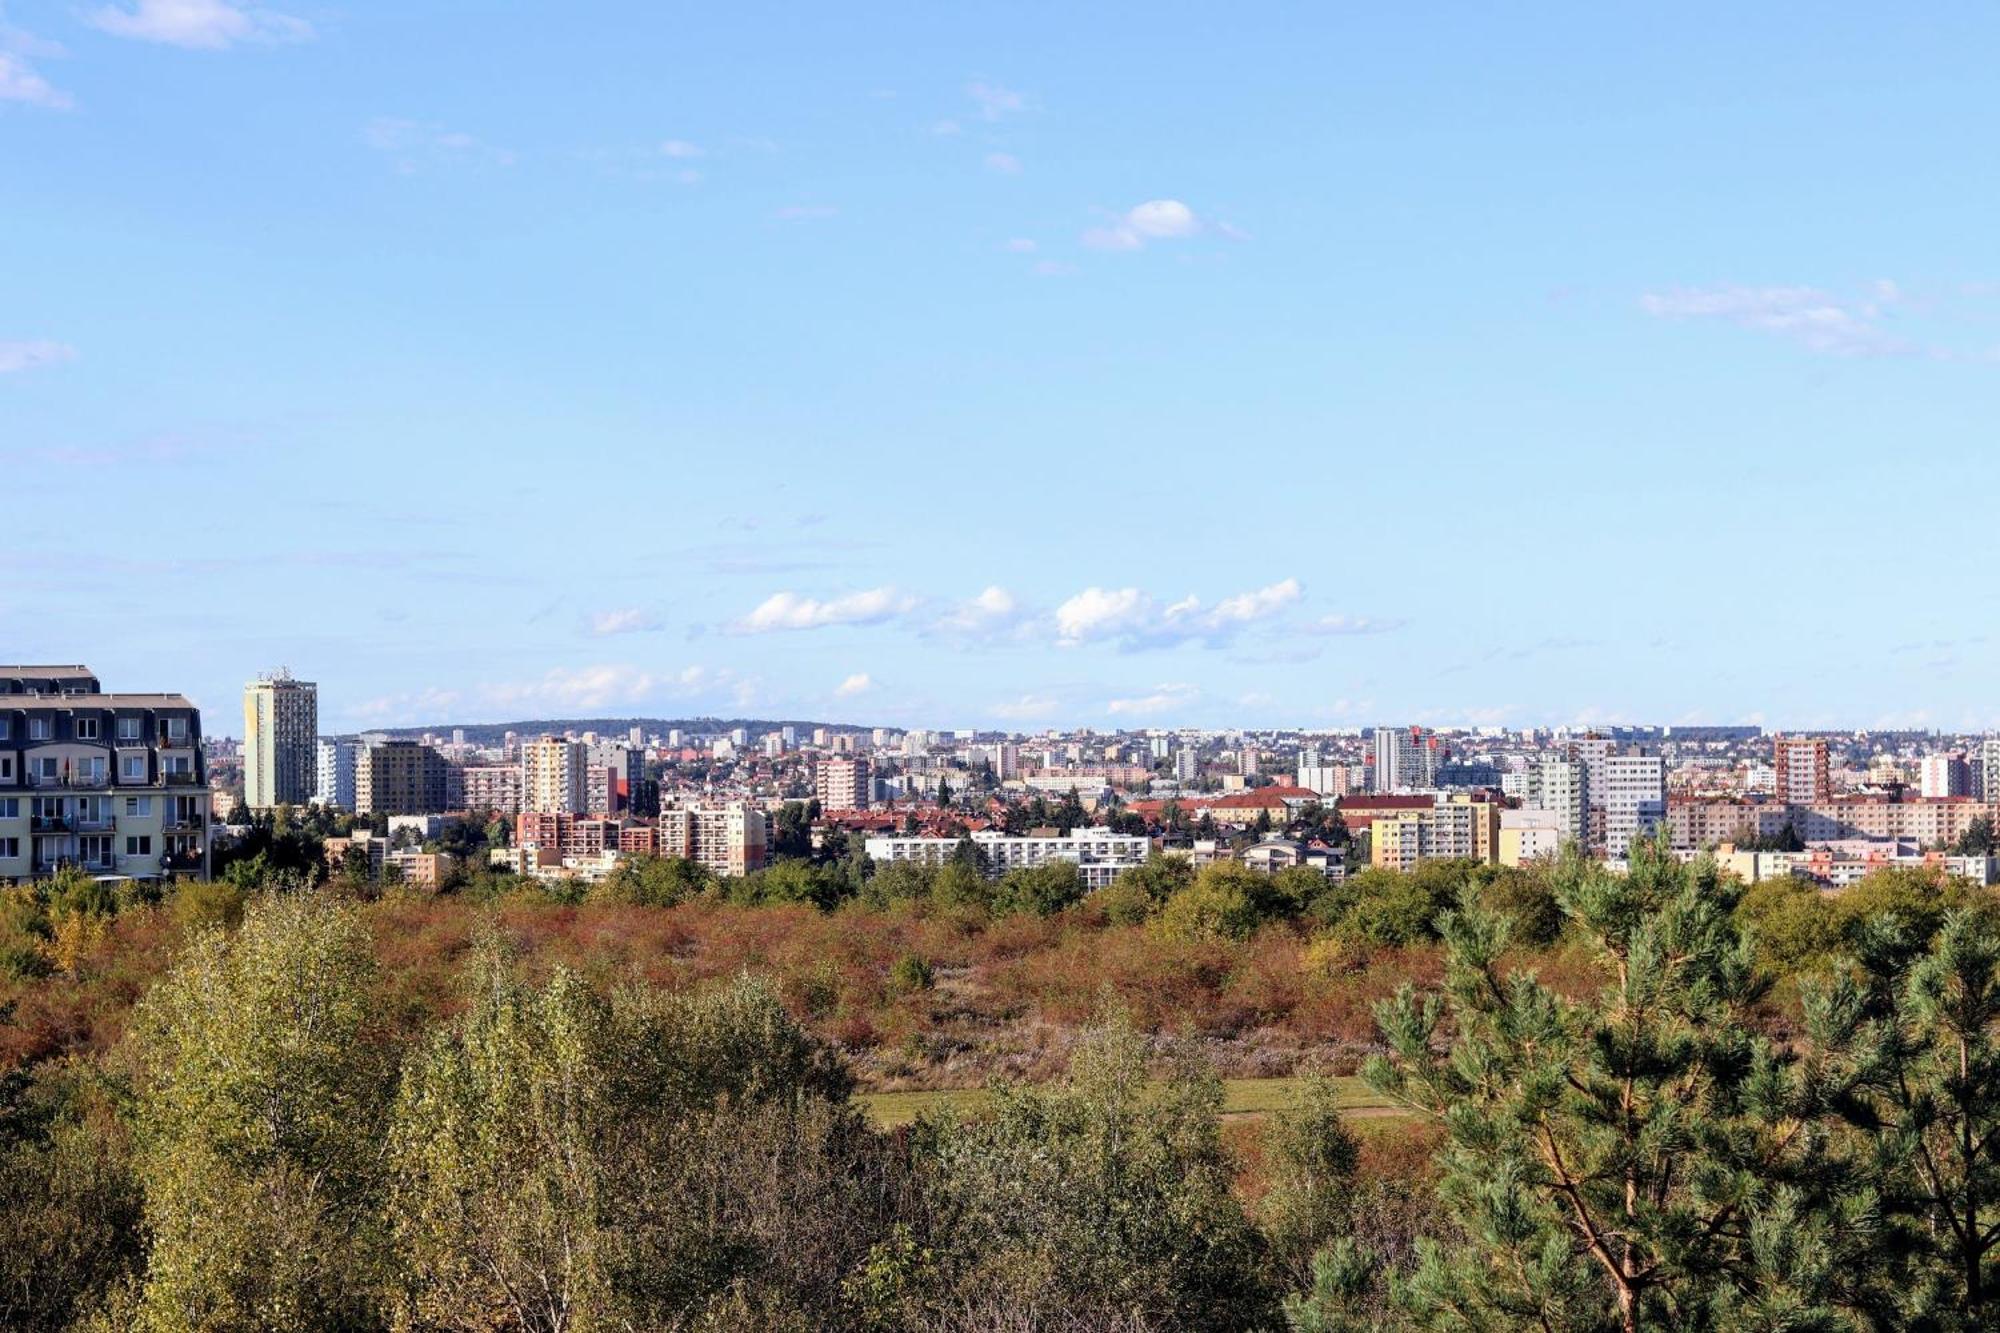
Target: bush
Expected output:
[909,974]
[1212,910]
[1039,890]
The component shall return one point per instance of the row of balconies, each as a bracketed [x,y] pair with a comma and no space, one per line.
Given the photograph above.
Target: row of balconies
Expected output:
[106,781]
[179,863]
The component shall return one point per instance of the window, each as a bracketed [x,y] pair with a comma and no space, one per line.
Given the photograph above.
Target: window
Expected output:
[89,768]
[179,765]
[46,769]
[132,768]
[139,845]
[6,768]
[6,727]
[128,728]
[86,728]
[38,728]
[10,807]
[174,729]
[10,849]
[140,806]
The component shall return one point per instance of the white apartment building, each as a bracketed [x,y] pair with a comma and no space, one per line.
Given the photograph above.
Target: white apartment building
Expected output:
[280,741]
[1402,759]
[1944,775]
[1632,793]
[553,781]
[730,840]
[1561,785]
[334,771]
[1099,855]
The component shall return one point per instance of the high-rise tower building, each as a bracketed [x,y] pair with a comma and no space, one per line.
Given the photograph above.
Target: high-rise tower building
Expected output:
[280,741]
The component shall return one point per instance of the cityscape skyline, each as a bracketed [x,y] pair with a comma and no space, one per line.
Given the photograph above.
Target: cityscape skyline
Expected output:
[909,365]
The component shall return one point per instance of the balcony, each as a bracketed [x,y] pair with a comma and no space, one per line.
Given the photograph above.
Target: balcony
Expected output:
[181,862]
[69,780]
[52,824]
[98,824]
[185,823]
[181,779]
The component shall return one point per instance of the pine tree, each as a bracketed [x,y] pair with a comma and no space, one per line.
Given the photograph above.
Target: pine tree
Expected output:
[1639,1159]
[1932,1103]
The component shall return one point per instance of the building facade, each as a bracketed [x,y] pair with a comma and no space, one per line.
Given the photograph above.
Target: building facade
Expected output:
[404,778]
[729,840]
[333,783]
[1802,772]
[553,780]
[280,741]
[1099,855]
[113,784]
[842,783]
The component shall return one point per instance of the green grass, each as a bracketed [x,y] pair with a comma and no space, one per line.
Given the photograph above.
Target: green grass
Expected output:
[1240,1097]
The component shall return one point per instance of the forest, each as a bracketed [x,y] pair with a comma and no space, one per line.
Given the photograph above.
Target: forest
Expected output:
[1658,1099]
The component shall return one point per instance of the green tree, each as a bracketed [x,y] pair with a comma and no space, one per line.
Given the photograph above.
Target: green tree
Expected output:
[1932,1104]
[260,1114]
[1103,1200]
[1639,1159]
[1977,839]
[1040,890]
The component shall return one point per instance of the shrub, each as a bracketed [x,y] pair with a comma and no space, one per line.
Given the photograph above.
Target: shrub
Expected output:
[1211,910]
[909,974]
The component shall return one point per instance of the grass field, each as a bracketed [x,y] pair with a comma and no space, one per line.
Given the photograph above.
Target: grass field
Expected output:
[1244,1097]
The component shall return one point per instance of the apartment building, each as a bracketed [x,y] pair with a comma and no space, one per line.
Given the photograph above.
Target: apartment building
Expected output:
[280,741]
[612,776]
[844,783]
[114,784]
[1803,777]
[1451,829]
[495,787]
[1404,759]
[1099,855]
[1530,835]
[1943,775]
[553,778]
[729,840]
[1631,791]
[405,778]
[337,761]
[1559,785]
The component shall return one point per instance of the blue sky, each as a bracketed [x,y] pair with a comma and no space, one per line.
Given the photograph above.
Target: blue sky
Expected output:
[1028,365]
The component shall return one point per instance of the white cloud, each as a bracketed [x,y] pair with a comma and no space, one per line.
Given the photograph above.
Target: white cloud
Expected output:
[1256,605]
[1138,621]
[1098,612]
[412,142]
[1341,624]
[858,683]
[680,148]
[1816,319]
[1027,707]
[995,102]
[1005,164]
[580,688]
[790,611]
[32,354]
[626,620]
[1020,245]
[210,25]
[1164,698]
[1154,220]
[21,82]
[993,612]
